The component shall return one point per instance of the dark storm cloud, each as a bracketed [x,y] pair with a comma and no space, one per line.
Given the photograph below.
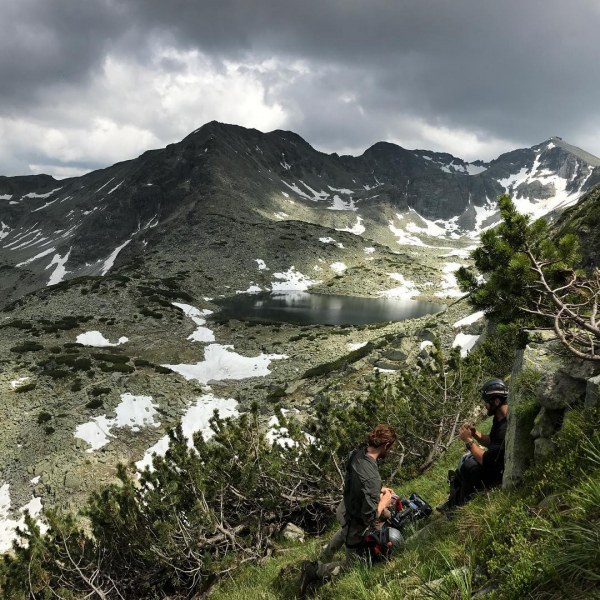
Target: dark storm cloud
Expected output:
[510,70]
[517,69]
[51,43]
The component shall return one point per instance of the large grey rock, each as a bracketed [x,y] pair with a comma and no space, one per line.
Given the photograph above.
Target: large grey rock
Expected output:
[396,355]
[561,390]
[519,443]
[546,423]
[293,532]
[592,392]
[388,366]
[544,447]
[426,335]
[563,383]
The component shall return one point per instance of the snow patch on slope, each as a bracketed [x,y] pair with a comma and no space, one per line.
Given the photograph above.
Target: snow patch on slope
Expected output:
[8,525]
[59,272]
[220,363]
[196,418]
[201,334]
[132,412]
[406,290]
[292,280]
[357,229]
[97,340]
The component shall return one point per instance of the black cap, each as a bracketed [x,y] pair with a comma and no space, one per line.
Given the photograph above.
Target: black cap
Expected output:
[494,388]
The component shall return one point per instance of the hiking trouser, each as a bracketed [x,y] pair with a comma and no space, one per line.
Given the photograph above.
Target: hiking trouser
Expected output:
[339,537]
[325,571]
[465,481]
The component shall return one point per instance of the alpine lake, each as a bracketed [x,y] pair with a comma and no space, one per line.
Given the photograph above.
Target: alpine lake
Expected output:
[303,308]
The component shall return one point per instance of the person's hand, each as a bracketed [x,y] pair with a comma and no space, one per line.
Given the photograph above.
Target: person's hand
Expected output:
[386,494]
[470,426]
[464,433]
[385,489]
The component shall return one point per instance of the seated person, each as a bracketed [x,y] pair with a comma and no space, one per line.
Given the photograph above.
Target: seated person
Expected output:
[483,465]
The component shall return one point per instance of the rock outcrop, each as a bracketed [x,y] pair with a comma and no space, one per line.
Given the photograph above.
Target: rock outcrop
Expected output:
[547,382]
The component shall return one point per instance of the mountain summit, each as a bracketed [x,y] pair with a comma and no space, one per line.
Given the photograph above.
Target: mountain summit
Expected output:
[225,193]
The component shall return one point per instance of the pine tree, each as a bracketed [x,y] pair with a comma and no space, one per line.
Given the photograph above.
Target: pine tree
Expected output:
[524,272]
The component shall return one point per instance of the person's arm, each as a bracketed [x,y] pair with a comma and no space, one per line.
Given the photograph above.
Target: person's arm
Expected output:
[465,434]
[480,438]
[374,500]
[385,498]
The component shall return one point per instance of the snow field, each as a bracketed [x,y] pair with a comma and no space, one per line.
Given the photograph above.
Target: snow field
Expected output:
[221,362]
[132,412]
[465,342]
[202,334]
[196,418]
[405,291]
[97,340]
[292,280]
[449,283]
[470,319]
[9,525]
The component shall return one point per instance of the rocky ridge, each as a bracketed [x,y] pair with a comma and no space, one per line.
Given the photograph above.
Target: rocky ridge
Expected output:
[227,195]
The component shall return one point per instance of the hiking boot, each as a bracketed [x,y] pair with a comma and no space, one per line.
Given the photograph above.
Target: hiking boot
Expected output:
[309,578]
[447,509]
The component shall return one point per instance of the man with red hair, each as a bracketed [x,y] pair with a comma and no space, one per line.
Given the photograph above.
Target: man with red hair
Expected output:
[365,502]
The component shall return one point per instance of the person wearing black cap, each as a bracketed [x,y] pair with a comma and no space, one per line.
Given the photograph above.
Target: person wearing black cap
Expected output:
[483,465]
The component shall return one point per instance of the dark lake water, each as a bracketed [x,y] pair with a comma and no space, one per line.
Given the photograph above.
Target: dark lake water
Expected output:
[302,308]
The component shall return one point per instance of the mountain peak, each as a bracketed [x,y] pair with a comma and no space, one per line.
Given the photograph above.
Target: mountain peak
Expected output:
[556,141]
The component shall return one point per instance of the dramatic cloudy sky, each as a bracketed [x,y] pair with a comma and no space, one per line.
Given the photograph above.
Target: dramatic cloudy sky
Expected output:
[85,83]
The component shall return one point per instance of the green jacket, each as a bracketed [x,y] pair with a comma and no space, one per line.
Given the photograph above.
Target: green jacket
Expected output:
[362,488]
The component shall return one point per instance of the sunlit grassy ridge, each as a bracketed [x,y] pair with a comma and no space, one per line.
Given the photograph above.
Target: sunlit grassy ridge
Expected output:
[539,541]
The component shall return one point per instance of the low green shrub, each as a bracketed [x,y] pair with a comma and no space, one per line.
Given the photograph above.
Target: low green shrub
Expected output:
[98,391]
[56,373]
[28,387]
[95,403]
[116,368]
[111,358]
[44,417]
[28,346]
[147,312]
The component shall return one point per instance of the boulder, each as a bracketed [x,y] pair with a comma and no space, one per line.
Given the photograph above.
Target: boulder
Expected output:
[592,392]
[387,365]
[559,390]
[72,481]
[293,532]
[518,442]
[544,447]
[546,423]
[396,355]
[426,335]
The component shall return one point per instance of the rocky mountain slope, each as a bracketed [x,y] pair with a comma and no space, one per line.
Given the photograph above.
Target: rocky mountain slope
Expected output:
[110,333]
[229,195]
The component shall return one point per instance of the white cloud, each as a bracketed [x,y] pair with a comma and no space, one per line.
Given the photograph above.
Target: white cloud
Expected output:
[130,107]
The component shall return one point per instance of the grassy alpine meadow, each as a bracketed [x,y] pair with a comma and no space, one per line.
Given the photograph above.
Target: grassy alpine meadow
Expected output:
[504,545]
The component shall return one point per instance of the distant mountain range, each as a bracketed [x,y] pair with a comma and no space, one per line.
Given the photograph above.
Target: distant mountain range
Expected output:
[226,193]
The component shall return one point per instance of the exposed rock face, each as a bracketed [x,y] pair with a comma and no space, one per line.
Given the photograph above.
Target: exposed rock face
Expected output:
[592,392]
[547,382]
